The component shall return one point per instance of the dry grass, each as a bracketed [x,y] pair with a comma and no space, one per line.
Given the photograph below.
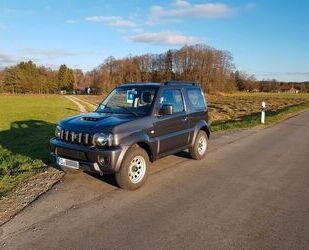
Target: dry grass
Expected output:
[234,106]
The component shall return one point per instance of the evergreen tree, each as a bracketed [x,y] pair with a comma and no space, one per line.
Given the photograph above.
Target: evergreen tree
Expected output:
[65,78]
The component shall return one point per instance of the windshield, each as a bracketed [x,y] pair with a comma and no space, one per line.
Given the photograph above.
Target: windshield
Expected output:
[129,100]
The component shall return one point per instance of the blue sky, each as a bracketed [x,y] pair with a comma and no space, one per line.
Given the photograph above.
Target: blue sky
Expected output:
[269,39]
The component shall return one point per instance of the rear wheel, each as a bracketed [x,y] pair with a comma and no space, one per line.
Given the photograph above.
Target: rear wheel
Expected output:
[199,149]
[134,169]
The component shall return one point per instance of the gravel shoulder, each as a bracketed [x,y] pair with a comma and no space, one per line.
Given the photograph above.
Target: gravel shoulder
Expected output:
[27,192]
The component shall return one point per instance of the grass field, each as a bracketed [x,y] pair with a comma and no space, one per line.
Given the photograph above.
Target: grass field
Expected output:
[26,125]
[28,122]
[244,109]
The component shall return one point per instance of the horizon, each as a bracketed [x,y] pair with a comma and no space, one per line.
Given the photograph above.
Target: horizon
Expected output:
[267,40]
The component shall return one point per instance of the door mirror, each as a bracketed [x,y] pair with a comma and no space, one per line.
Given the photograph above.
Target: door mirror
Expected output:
[166,109]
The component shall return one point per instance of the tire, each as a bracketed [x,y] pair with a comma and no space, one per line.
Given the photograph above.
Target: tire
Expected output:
[133,171]
[199,149]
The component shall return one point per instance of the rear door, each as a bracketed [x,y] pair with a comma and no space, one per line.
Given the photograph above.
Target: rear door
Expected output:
[171,130]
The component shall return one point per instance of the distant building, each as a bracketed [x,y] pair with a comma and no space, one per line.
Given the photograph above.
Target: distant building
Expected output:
[289,89]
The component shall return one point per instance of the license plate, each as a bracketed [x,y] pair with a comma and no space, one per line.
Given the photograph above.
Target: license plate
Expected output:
[67,163]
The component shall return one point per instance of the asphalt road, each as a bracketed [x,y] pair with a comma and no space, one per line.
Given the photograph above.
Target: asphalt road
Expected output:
[252,192]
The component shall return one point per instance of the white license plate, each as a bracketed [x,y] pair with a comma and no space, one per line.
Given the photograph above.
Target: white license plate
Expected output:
[67,163]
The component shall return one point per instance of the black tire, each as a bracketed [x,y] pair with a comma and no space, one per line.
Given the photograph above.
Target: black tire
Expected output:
[131,164]
[194,150]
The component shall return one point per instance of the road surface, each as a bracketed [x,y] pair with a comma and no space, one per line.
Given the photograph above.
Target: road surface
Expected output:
[252,192]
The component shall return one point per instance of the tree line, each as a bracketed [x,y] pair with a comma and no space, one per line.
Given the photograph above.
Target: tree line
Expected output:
[212,68]
[27,77]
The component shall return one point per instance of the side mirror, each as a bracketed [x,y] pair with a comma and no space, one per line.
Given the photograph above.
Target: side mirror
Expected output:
[166,109]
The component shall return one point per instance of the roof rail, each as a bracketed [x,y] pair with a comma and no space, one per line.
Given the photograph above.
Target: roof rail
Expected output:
[180,82]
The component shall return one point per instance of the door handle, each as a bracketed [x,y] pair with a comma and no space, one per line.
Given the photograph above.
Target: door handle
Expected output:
[185,118]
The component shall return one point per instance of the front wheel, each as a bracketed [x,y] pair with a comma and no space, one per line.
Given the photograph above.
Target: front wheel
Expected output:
[134,169]
[198,150]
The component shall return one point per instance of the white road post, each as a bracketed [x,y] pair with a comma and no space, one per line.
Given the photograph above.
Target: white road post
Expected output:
[263,112]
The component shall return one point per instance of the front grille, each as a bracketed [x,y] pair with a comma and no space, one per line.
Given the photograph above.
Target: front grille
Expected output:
[71,154]
[76,137]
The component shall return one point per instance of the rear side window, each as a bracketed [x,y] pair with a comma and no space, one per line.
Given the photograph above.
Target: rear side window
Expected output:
[196,99]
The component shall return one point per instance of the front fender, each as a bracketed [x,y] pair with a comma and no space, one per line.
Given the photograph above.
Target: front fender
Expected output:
[141,139]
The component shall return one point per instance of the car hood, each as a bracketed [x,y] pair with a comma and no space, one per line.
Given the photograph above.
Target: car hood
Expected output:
[95,122]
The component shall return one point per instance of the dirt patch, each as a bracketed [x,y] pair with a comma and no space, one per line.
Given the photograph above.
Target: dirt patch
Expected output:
[26,192]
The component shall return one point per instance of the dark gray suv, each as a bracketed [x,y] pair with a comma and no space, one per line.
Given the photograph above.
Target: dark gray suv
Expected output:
[136,124]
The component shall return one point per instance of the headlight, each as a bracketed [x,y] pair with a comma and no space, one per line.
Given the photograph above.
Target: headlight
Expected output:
[58,131]
[103,139]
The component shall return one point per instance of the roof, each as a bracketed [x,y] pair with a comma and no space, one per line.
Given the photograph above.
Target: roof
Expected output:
[141,83]
[287,87]
[156,84]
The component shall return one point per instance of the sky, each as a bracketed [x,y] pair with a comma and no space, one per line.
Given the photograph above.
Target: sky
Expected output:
[269,39]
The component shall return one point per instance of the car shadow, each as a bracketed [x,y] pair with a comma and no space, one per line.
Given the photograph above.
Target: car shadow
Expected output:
[28,138]
[107,178]
[183,154]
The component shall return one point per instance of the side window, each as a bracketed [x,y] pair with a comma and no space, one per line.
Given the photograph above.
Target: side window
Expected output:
[172,97]
[196,99]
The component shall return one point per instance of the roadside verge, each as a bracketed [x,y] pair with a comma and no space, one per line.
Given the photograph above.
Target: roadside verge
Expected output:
[27,192]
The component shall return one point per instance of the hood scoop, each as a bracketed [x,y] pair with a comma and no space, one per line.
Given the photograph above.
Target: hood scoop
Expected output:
[92,119]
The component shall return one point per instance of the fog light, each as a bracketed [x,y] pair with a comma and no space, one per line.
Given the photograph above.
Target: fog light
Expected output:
[101,160]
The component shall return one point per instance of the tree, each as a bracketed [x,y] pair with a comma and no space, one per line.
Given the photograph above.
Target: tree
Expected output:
[65,78]
[240,82]
[168,63]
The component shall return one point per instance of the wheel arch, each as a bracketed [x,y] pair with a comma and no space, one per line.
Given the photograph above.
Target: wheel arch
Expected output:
[201,125]
[143,141]
[144,145]
[206,129]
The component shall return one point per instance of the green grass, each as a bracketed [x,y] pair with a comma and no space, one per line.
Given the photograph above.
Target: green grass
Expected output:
[26,125]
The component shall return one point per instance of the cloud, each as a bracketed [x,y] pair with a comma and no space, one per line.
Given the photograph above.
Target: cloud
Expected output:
[290,73]
[70,21]
[112,20]
[299,73]
[165,38]
[51,52]
[187,9]
[181,3]
[6,59]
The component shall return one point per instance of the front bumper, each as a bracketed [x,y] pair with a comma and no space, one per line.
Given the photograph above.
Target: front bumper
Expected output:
[88,158]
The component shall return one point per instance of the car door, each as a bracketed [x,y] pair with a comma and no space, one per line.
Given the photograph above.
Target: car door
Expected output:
[171,130]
